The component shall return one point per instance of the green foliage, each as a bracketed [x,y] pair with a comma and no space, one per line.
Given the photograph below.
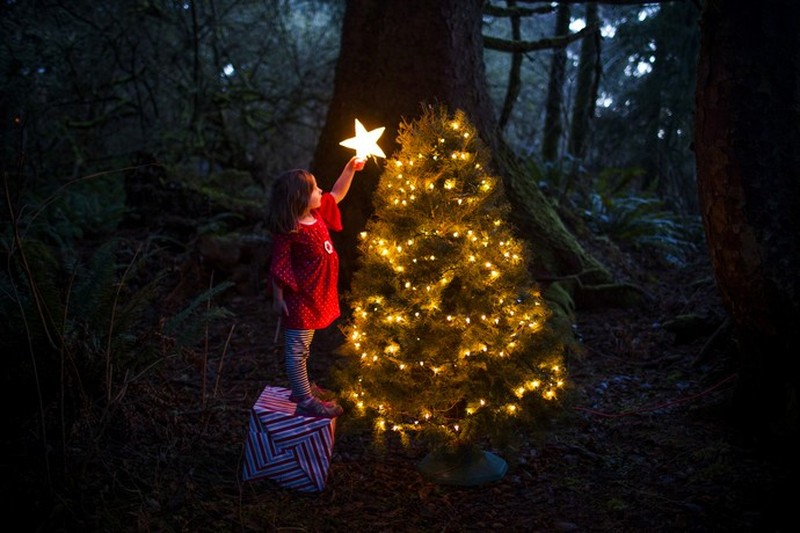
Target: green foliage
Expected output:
[64,213]
[82,313]
[611,204]
[78,322]
[640,220]
[92,84]
[450,339]
[187,326]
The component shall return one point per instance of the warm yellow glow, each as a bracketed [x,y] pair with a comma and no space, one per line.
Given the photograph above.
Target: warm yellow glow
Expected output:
[365,143]
[392,349]
[416,273]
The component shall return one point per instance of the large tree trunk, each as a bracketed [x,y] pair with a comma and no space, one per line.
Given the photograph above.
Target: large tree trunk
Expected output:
[746,142]
[397,55]
[589,68]
[553,121]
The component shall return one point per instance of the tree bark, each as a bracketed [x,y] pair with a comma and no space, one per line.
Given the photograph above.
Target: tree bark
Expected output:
[586,89]
[746,144]
[555,91]
[514,81]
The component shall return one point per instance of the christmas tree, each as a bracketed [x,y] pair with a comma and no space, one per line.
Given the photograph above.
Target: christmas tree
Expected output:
[449,337]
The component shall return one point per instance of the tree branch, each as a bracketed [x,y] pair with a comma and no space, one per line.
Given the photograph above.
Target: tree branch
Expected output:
[497,11]
[503,45]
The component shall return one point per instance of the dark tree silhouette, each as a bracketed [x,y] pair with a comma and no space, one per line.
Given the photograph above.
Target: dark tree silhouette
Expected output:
[746,144]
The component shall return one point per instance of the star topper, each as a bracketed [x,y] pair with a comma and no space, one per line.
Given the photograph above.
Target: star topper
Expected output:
[365,143]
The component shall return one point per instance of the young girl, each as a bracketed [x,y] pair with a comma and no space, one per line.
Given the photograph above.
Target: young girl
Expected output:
[305,271]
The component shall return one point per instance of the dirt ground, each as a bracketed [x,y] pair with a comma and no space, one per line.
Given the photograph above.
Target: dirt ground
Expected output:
[646,444]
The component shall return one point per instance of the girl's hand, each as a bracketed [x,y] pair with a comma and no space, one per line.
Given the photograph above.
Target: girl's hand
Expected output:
[358,164]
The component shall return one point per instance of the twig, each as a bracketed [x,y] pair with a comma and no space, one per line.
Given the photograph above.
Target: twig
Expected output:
[205,345]
[222,359]
[111,325]
[661,405]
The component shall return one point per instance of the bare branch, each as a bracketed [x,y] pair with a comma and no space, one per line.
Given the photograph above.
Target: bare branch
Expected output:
[497,11]
[503,45]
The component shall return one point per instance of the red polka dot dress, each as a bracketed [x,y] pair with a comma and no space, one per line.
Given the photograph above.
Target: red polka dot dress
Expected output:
[305,265]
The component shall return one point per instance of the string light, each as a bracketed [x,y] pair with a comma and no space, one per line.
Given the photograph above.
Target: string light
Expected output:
[438,258]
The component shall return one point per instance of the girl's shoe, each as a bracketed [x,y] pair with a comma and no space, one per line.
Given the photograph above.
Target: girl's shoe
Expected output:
[314,407]
[316,392]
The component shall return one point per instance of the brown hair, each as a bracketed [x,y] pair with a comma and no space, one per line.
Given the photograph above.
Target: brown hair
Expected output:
[288,200]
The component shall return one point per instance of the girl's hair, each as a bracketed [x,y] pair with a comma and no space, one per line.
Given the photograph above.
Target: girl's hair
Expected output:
[289,199]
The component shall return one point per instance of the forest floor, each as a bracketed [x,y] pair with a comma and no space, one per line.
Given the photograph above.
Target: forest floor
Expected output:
[645,444]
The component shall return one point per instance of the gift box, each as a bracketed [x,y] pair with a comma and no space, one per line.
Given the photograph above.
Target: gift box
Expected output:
[293,450]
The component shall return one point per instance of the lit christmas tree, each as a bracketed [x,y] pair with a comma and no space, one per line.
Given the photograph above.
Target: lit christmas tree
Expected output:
[448,338]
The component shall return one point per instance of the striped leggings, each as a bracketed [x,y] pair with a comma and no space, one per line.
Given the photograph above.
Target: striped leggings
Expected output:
[297,347]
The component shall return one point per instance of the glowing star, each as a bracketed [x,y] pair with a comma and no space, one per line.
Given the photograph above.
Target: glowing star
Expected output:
[365,143]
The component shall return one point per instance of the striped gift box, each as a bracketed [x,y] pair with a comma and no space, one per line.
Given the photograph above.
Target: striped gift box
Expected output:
[294,451]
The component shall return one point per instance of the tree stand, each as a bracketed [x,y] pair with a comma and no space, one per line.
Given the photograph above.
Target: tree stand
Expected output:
[467,466]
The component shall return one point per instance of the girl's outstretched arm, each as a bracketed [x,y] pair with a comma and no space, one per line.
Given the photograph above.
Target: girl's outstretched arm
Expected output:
[342,185]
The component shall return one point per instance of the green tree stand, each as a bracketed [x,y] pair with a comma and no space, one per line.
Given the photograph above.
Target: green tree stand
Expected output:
[465,467]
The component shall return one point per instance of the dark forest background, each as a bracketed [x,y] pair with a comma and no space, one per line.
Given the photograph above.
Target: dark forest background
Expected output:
[139,140]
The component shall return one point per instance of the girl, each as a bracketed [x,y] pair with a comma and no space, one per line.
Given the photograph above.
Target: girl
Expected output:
[304,272]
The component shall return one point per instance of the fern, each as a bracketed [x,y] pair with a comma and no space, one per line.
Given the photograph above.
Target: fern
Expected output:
[644,223]
[186,327]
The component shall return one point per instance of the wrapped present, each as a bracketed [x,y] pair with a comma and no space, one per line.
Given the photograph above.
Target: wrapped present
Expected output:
[294,451]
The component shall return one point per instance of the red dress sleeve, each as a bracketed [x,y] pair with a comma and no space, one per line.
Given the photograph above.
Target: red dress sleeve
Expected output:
[329,212]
